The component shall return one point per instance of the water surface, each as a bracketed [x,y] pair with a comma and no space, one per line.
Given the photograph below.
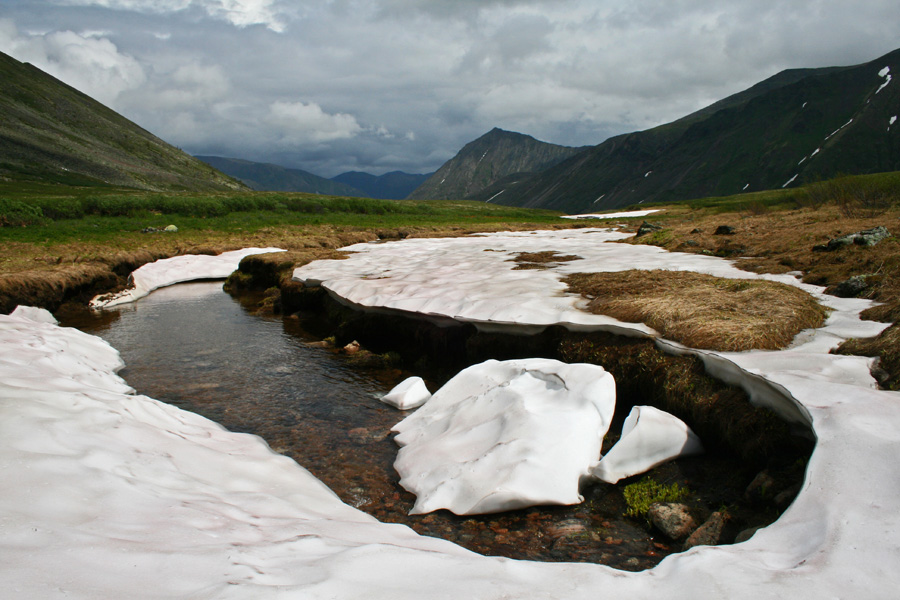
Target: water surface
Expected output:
[194,346]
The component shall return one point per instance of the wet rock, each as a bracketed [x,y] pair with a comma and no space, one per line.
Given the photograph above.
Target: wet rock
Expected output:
[746,534]
[673,519]
[724,230]
[646,228]
[785,497]
[761,488]
[708,534]
[866,237]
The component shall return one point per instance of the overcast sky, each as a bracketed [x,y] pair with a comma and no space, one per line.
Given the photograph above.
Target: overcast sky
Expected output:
[380,85]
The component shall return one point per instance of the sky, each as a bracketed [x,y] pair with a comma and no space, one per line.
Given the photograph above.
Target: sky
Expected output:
[348,85]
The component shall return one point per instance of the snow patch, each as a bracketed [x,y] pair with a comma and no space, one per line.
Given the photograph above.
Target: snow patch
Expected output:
[615,215]
[649,438]
[408,394]
[495,195]
[790,181]
[505,435]
[745,187]
[177,269]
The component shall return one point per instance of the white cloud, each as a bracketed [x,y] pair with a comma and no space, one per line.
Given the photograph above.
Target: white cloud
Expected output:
[90,64]
[303,123]
[240,13]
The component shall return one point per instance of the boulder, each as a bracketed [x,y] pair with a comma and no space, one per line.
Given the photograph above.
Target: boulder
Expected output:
[708,534]
[673,519]
[866,237]
[724,230]
[646,228]
[851,288]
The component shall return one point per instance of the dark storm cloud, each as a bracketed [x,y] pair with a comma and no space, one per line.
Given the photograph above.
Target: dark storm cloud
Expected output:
[403,84]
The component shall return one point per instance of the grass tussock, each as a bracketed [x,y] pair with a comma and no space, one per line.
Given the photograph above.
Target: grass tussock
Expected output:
[702,311]
[541,260]
[885,347]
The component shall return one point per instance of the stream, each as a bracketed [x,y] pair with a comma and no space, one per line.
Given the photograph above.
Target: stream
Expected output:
[196,347]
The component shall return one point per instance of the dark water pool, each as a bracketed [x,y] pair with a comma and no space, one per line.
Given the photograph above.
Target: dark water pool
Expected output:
[195,347]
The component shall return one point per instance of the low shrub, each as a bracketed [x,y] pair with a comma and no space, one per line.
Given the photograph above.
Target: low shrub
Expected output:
[14,213]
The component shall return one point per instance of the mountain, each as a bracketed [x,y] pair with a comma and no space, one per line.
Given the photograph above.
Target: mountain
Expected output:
[275,178]
[495,156]
[51,132]
[395,185]
[799,126]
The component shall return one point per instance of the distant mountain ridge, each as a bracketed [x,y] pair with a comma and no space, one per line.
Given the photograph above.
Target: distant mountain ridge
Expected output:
[275,178]
[51,132]
[799,126]
[395,185]
[495,156]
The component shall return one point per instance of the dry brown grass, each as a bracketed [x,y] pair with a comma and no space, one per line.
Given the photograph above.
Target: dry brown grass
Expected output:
[541,260]
[49,275]
[702,311]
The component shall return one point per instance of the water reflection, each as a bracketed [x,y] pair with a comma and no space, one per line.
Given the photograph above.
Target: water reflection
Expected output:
[195,347]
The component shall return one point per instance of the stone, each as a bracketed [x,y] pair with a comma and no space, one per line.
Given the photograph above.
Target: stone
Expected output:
[746,534]
[696,230]
[761,488]
[724,230]
[646,228]
[866,237]
[351,348]
[708,534]
[171,229]
[673,519]
[851,288]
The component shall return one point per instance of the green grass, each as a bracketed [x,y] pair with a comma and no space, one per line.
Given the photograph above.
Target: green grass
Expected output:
[53,214]
[641,495]
[880,188]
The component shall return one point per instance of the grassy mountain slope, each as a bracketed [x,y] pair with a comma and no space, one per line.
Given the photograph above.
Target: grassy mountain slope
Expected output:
[51,132]
[275,178]
[494,156]
[395,185]
[799,126]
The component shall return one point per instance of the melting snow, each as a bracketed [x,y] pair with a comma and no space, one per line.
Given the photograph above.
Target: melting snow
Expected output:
[112,494]
[789,181]
[177,269]
[506,435]
[892,121]
[495,195]
[615,215]
[745,187]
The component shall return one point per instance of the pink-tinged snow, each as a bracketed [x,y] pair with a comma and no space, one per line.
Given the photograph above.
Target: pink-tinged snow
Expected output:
[108,494]
[615,215]
[178,269]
